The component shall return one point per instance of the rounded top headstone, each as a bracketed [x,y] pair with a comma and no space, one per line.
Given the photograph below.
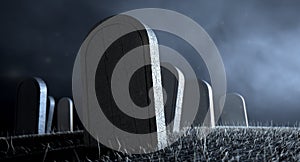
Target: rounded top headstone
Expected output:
[65,114]
[31,106]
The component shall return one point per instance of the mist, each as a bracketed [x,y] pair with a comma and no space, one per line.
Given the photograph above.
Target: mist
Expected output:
[258,41]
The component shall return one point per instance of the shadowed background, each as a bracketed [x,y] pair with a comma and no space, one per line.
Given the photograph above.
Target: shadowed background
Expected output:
[258,41]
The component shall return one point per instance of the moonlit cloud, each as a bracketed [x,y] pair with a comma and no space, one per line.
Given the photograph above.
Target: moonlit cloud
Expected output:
[258,40]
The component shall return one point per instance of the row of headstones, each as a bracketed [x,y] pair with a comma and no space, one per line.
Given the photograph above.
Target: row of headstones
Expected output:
[141,81]
[36,111]
[234,112]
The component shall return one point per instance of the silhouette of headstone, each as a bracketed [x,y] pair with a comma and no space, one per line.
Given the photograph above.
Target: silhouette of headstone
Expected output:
[138,88]
[205,114]
[64,114]
[31,107]
[50,113]
[234,112]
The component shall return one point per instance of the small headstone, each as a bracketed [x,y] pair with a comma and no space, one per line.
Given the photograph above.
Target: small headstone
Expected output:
[205,114]
[50,113]
[31,107]
[65,114]
[234,112]
[179,100]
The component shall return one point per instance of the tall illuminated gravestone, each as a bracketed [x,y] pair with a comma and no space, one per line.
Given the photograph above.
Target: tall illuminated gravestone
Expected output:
[31,107]
[137,86]
[125,92]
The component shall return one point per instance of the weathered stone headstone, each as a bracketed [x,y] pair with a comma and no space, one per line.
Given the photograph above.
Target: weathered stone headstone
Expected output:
[31,107]
[205,114]
[125,88]
[234,112]
[64,114]
[50,113]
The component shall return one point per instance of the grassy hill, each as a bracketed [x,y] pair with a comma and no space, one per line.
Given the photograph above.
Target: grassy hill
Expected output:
[221,144]
[230,144]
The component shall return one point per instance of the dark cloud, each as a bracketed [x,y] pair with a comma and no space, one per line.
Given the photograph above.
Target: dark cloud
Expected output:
[258,41]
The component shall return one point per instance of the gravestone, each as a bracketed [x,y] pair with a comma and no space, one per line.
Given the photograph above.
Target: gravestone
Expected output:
[234,112]
[31,107]
[50,113]
[64,112]
[126,85]
[205,114]
[178,96]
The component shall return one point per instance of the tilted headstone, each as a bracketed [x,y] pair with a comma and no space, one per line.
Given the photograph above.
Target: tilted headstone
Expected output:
[126,85]
[50,113]
[234,112]
[31,107]
[205,114]
[64,114]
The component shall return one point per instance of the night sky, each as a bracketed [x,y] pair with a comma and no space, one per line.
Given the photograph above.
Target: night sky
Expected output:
[259,42]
